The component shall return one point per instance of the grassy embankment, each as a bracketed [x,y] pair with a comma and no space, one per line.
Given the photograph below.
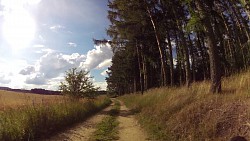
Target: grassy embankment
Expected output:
[107,129]
[194,114]
[34,121]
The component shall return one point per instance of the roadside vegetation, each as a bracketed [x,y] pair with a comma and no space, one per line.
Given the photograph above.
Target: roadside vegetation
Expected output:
[33,117]
[193,113]
[40,121]
[107,129]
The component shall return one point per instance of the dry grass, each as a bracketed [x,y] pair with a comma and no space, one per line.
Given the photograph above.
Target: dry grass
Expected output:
[38,121]
[10,99]
[193,113]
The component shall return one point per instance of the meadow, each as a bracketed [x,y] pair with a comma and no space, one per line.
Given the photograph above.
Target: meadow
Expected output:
[35,117]
[194,114]
[9,99]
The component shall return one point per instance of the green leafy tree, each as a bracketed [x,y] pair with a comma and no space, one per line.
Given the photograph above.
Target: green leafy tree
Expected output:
[77,84]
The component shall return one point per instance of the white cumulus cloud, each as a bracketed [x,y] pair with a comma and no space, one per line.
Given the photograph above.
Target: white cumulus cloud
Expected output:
[47,71]
[98,57]
[27,71]
[52,65]
[105,63]
[37,79]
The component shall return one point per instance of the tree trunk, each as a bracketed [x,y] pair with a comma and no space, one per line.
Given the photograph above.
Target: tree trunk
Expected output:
[213,51]
[170,48]
[135,89]
[138,50]
[163,64]
[214,60]
[202,55]
[185,49]
[144,68]
[193,58]
[186,57]
[179,59]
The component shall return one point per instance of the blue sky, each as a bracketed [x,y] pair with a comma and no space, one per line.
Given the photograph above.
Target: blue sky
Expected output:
[41,39]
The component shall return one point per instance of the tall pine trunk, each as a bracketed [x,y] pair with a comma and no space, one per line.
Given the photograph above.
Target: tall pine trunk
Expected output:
[185,50]
[163,63]
[186,57]
[170,48]
[139,59]
[213,50]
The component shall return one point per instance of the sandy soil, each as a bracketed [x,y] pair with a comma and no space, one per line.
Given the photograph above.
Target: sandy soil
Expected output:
[129,129]
[83,131]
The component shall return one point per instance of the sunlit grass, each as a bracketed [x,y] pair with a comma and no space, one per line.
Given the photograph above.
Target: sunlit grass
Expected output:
[40,121]
[10,99]
[194,113]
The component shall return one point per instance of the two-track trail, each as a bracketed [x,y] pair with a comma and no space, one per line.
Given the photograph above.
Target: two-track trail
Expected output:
[82,131]
[129,129]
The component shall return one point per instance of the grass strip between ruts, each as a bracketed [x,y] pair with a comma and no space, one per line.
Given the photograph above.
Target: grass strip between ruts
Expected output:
[107,129]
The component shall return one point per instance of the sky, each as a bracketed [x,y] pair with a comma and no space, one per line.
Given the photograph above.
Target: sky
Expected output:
[41,39]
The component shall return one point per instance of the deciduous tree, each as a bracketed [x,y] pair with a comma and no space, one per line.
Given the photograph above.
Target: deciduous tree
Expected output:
[77,84]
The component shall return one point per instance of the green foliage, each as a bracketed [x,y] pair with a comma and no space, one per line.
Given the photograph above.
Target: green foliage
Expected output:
[245,3]
[33,123]
[77,84]
[194,24]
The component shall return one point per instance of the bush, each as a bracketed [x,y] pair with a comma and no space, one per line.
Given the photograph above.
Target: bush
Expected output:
[77,84]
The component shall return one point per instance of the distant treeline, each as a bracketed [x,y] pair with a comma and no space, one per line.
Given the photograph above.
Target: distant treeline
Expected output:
[35,91]
[41,91]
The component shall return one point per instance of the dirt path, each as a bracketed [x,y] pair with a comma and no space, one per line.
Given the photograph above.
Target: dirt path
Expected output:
[83,131]
[129,129]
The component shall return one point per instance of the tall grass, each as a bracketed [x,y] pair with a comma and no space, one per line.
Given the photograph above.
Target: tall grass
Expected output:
[194,114]
[37,122]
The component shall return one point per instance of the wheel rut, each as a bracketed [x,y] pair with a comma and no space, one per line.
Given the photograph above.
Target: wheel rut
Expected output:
[82,131]
[129,128]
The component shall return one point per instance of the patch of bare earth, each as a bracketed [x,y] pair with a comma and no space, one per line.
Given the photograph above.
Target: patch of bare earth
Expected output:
[83,131]
[129,129]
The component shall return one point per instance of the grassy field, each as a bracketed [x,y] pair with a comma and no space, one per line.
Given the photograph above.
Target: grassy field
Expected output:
[10,99]
[34,117]
[194,114]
